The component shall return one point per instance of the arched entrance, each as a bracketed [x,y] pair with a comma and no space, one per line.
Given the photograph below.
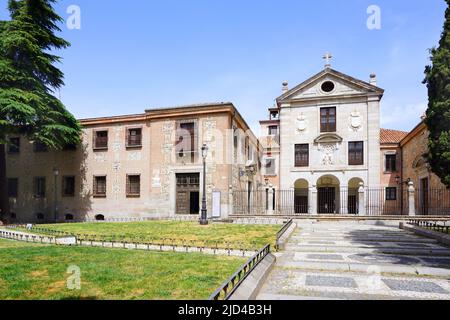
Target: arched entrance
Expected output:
[352,197]
[328,197]
[301,196]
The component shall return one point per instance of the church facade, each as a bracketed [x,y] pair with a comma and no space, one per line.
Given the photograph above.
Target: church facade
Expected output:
[329,141]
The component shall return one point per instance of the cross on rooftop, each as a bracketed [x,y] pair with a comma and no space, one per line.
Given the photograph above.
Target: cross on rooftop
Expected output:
[327,57]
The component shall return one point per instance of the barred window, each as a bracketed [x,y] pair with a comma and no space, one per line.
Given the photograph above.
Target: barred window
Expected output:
[14,145]
[273,130]
[13,186]
[134,137]
[99,186]
[68,187]
[391,193]
[100,140]
[270,167]
[133,185]
[356,153]
[391,163]
[302,155]
[186,145]
[39,187]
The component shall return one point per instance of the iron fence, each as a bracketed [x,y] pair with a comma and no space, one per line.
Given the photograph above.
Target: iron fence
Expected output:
[229,287]
[432,201]
[386,201]
[250,202]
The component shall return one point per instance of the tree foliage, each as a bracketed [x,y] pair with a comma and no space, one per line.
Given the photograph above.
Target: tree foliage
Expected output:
[438,113]
[29,77]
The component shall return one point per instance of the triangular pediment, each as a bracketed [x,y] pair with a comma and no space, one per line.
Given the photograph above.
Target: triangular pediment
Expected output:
[342,86]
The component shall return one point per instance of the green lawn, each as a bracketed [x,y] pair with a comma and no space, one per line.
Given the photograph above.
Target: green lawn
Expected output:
[33,271]
[221,234]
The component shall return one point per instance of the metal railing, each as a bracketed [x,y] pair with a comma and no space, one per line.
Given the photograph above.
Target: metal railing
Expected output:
[436,225]
[229,287]
[282,231]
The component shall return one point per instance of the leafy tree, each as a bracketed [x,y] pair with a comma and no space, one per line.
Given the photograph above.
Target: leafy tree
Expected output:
[29,79]
[438,113]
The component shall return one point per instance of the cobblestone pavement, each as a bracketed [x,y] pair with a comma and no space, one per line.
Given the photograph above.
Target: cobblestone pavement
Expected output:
[334,260]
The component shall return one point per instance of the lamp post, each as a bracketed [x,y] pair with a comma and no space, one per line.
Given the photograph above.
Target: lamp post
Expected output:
[204,217]
[55,200]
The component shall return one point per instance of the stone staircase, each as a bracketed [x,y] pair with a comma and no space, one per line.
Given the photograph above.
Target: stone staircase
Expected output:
[343,260]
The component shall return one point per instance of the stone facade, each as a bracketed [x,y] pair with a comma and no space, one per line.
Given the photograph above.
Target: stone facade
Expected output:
[156,160]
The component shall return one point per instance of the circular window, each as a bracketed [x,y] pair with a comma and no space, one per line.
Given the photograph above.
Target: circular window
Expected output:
[327,86]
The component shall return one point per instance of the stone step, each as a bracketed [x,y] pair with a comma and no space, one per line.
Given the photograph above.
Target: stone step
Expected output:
[364,267]
[361,249]
[295,239]
[295,284]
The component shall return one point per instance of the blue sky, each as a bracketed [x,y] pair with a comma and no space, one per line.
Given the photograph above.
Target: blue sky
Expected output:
[137,54]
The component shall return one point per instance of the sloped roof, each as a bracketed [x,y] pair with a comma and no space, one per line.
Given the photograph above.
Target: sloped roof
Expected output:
[392,136]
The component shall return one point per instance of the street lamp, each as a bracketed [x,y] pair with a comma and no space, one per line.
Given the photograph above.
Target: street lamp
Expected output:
[204,217]
[55,208]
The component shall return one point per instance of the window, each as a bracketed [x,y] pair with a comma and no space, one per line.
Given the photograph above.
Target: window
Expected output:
[247,147]
[391,163]
[13,187]
[39,187]
[327,86]
[69,217]
[40,216]
[186,144]
[14,145]
[100,217]
[302,155]
[134,137]
[40,147]
[270,167]
[273,130]
[356,153]
[391,193]
[101,140]
[100,186]
[328,119]
[68,187]
[133,185]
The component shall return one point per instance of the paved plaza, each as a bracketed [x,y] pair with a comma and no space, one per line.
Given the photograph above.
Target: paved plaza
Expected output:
[343,260]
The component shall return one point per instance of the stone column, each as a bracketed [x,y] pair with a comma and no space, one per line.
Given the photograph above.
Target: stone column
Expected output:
[313,201]
[270,194]
[411,202]
[361,200]
[230,200]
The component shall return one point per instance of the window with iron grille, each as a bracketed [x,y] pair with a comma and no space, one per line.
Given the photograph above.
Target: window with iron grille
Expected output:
[68,187]
[40,147]
[13,187]
[14,145]
[273,130]
[100,139]
[99,186]
[328,119]
[39,187]
[391,193]
[391,163]
[356,153]
[302,155]
[133,185]
[270,167]
[187,140]
[134,137]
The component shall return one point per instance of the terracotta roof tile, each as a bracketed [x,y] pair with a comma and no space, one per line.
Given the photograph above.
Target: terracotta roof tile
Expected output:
[392,136]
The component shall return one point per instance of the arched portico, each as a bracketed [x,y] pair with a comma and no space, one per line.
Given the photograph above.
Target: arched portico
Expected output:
[353,195]
[301,196]
[328,195]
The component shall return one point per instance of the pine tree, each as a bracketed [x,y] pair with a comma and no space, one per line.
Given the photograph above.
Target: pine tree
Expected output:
[29,79]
